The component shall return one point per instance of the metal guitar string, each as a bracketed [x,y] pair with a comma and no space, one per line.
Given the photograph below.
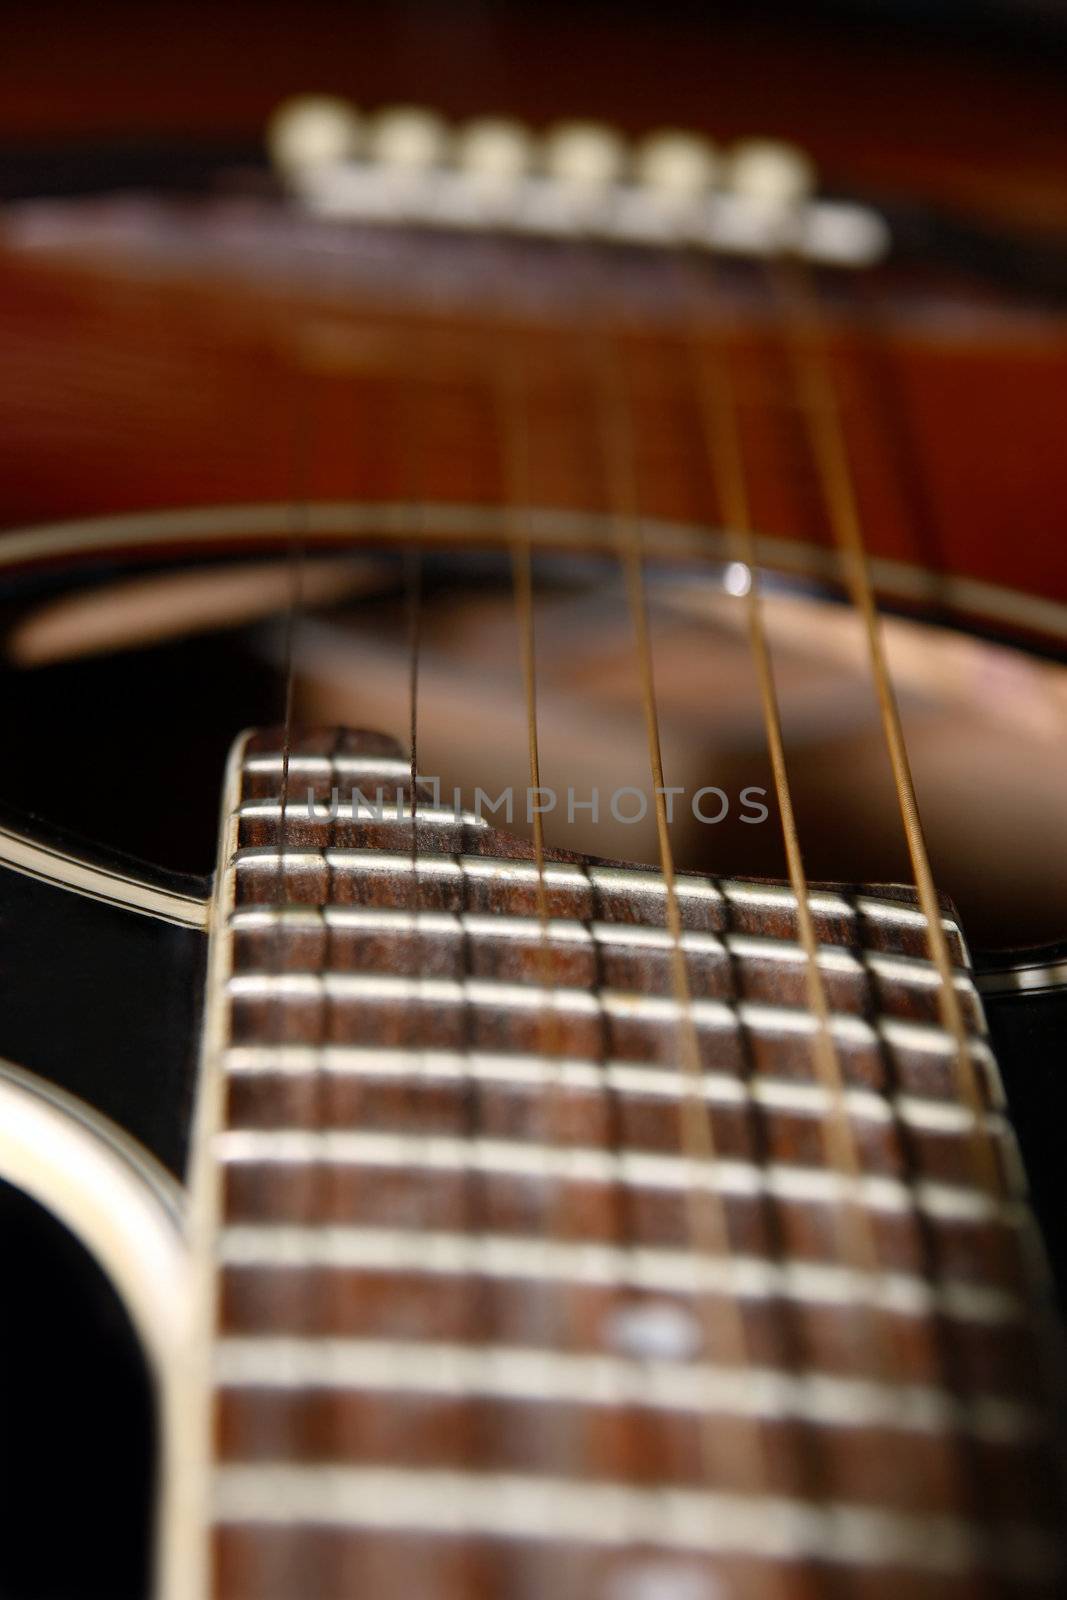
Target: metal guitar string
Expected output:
[717,405]
[413,609]
[882,390]
[302,428]
[412,583]
[298,528]
[706,1212]
[412,490]
[820,409]
[697,1131]
[413,604]
[412,494]
[479,1298]
[509,386]
[509,390]
[513,400]
[298,518]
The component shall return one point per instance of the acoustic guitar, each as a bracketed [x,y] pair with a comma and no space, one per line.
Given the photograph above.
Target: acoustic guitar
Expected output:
[532,886]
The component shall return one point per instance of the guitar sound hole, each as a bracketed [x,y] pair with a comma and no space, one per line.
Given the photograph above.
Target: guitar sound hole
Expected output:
[77,1464]
[121,733]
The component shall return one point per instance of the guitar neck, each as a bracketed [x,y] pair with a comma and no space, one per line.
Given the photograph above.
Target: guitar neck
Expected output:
[538,1262]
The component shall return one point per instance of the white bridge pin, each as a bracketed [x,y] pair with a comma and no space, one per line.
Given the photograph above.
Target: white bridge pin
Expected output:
[408,139]
[675,165]
[770,173]
[493,150]
[312,133]
[586,156]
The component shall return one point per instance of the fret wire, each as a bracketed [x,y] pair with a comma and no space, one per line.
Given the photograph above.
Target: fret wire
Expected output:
[536,1373]
[773,1017]
[768,1529]
[634,1168]
[602,878]
[775,1095]
[328,766]
[571,931]
[369,811]
[660,1269]
[607,1513]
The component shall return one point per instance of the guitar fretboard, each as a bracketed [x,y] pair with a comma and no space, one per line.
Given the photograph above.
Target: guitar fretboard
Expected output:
[467,1341]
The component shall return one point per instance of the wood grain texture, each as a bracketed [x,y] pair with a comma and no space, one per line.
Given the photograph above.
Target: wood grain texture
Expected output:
[450,1232]
[192,388]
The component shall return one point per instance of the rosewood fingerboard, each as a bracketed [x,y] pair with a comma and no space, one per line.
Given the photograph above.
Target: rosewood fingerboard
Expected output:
[465,1343]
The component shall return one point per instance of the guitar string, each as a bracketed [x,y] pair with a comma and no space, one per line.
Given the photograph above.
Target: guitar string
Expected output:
[517,496]
[406,430]
[881,392]
[296,560]
[820,409]
[476,1199]
[412,585]
[515,434]
[635,588]
[716,396]
[509,384]
[413,612]
[302,432]
[413,607]
[633,559]
[707,1220]
[516,447]
[818,397]
[510,391]
[412,493]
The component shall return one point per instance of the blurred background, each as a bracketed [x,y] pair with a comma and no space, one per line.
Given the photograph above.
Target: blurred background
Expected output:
[958,103]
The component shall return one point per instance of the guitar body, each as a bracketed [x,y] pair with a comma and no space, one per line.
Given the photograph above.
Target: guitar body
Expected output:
[536,1141]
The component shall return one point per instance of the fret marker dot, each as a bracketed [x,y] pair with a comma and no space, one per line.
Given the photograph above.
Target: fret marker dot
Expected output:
[660,1330]
[660,1580]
